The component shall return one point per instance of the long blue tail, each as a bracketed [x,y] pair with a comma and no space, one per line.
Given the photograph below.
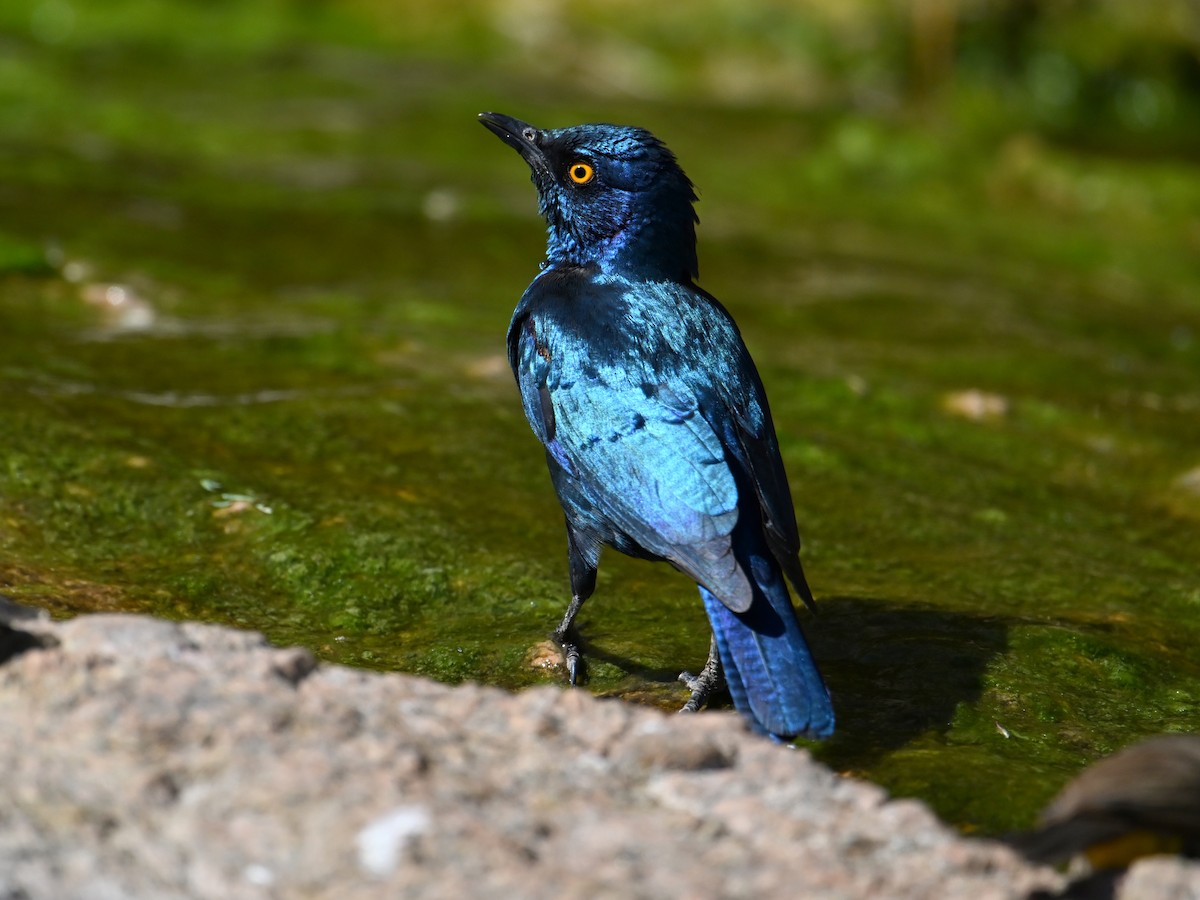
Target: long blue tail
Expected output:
[770,671]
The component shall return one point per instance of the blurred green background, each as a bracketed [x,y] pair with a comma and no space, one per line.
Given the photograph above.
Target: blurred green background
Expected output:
[257,261]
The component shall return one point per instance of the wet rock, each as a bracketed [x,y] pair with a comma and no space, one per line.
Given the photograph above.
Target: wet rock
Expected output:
[22,629]
[145,758]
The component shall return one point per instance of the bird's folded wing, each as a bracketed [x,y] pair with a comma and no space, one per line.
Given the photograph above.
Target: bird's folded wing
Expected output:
[651,462]
[757,450]
[736,402]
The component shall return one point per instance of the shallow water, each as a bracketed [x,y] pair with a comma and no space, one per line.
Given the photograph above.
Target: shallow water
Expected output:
[251,354]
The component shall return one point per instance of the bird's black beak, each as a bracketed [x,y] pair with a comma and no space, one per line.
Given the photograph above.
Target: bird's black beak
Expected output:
[519,135]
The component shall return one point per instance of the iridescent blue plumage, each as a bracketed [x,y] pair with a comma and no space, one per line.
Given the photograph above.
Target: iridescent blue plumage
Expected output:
[655,423]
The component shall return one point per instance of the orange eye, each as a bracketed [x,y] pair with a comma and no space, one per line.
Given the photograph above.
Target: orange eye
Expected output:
[581,172]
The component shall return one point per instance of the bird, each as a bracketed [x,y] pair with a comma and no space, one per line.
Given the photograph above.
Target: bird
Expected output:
[1142,800]
[654,419]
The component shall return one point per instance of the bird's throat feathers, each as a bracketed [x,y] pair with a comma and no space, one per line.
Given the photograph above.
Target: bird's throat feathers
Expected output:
[638,235]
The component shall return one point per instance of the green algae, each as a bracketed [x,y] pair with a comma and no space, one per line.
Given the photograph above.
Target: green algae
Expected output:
[254,282]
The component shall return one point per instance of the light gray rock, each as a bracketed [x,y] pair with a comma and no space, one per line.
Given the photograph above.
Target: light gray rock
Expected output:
[1161,878]
[151,759]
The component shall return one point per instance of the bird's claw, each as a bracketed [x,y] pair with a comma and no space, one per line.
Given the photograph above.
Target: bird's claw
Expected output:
[711,678]
[698,696]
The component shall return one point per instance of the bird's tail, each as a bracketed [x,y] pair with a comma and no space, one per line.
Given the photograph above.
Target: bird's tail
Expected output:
[770,671]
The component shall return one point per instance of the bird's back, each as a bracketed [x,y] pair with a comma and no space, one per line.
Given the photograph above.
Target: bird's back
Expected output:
[628,386]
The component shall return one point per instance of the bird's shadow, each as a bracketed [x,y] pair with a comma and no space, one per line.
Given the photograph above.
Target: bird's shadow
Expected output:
[895,671]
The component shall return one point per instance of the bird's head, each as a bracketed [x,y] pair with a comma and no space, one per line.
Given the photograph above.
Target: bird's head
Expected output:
[611,195]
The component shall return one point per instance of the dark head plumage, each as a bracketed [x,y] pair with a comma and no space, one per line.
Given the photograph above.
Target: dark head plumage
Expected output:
[611,195]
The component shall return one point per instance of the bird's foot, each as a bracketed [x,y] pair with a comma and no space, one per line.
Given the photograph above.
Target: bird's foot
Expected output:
[566,638]
[572,658]
[711,678]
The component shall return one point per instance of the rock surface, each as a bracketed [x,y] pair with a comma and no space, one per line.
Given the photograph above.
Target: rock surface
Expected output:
[145,758]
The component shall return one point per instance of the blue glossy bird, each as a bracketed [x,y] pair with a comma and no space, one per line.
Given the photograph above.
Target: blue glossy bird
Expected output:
[653,416]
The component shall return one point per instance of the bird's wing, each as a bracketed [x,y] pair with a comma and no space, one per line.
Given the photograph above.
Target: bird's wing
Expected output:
[736,401]
[758,449]
[652,465]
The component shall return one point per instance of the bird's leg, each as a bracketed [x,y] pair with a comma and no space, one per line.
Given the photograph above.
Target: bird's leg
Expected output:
[583,553]
[711,678]
[567,638]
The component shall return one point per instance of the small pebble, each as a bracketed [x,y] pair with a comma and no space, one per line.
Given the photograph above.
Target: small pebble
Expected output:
[975,405]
